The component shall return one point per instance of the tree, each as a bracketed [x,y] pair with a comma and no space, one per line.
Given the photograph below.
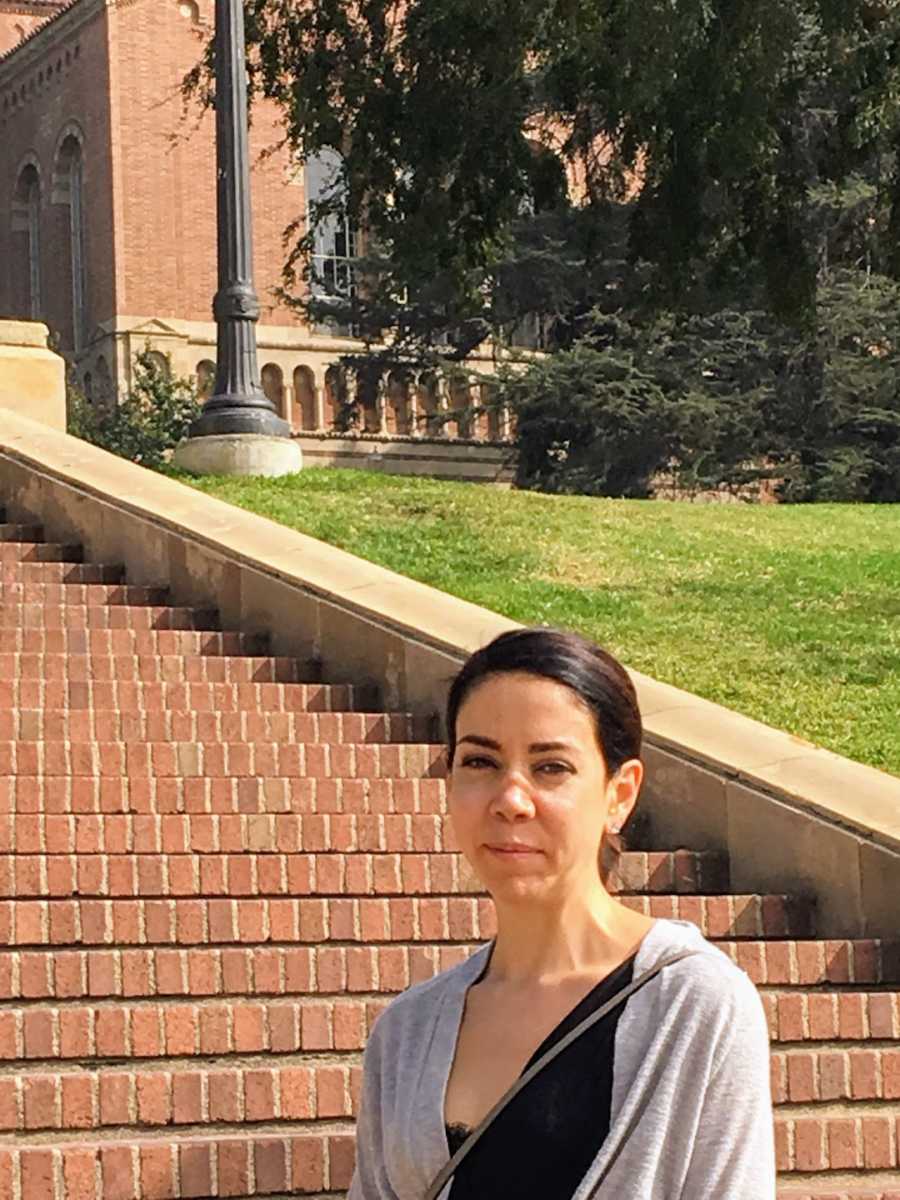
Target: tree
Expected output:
[710,120]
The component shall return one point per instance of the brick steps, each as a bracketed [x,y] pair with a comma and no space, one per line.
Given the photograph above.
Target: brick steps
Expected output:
[262,970]
[835,1072]
[10,532]
[104,615]
[16,550]
[797,1017]
[315,835]
[358,927]
[204,972]
[68,794]
[60,572]
[222,760]
[76,596]
[325,1014]
[303,1090]
[837,1187]
[851,1137]
[216,871]
[153,668]
[109,1031]
[292,1163]
[140,642]
[143,917]
[125,696]
[103,725]
[368,859]
[121,1098]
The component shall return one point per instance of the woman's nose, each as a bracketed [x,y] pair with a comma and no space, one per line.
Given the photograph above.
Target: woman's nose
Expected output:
[513,798]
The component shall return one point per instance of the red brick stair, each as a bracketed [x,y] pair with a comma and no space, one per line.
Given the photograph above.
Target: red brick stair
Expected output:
[216,868]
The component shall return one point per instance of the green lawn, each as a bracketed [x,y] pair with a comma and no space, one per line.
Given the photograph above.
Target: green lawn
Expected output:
[788,614]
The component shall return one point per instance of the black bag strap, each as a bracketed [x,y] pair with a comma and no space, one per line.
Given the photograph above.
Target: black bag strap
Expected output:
[449,1168]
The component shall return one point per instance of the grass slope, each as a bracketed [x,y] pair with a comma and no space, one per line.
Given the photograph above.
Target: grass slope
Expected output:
[788,614]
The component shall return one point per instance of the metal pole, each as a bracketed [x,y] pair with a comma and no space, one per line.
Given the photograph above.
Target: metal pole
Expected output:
[238,403]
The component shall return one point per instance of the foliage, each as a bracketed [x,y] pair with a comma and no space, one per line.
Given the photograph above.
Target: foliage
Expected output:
[454,120]
[148,424]
[799,602]
[721,400]
[705,287]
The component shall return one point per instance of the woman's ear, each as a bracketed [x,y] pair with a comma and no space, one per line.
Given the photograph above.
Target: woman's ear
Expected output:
[622,793]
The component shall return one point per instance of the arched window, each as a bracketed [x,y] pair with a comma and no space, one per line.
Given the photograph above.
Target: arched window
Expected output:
[206,378]
[367,385]
[159,362]
[429,405]
[26,220]
[335,394]
[103,386]
[304,414]
[460,403]
[335,240]
[69,190]
[397,404]
[493,415]
[273,385]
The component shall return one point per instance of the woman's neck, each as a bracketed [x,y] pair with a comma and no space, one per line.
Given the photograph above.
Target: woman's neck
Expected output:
[587,934]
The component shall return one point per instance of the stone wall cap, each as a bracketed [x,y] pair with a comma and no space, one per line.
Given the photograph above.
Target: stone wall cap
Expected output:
[796,772]
[24,333]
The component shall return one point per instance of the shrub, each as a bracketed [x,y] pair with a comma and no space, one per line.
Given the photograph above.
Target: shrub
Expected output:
[721,400]
[150,421]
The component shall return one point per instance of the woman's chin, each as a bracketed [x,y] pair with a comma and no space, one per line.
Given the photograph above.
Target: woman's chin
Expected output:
[521,884]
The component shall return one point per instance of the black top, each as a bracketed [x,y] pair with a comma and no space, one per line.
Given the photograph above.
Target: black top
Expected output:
[541,1145]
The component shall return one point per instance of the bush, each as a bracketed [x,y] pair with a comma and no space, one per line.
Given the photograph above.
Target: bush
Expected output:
[721,400]
[590,421]
[148,424]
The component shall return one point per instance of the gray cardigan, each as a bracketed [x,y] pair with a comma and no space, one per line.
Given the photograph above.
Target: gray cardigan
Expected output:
[691,1107]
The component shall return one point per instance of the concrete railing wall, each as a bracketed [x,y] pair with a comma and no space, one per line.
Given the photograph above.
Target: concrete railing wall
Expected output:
[32,377]
[471,461]
[793,817]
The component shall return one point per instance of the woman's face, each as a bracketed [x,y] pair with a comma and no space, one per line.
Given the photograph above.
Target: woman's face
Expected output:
[529,796]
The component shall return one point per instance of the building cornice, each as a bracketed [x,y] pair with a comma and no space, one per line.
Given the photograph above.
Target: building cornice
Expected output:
[68,18]
[32,8]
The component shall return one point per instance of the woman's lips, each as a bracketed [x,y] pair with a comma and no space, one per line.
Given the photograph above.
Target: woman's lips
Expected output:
[511,850]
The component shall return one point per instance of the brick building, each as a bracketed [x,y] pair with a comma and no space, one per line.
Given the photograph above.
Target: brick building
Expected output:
[107,207]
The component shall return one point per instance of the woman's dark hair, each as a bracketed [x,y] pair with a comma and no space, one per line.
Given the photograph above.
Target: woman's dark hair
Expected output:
[599,680]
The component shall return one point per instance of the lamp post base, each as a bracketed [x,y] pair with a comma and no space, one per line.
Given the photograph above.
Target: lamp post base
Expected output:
[238,454]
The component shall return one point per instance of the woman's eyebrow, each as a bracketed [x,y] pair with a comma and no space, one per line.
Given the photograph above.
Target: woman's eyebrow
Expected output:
[535,748]
[477,740]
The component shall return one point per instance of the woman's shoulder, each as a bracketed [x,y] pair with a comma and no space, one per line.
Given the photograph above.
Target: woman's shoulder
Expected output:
[706,979]
[415,1009]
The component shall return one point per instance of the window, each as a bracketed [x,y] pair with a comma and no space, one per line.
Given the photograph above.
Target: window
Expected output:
[206,378]
[335,394]
[272,379]
[304,414]
[27,220]
[397,404]
[335,241]
[159,362]
[69,190]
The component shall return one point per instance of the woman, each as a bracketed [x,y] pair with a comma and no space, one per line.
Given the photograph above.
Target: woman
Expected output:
[666,1097]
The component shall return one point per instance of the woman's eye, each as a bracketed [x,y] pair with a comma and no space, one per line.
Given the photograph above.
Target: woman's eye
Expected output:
[554,768]
[478,761]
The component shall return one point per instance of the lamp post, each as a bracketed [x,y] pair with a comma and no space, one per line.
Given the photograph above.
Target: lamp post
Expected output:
[239,430]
